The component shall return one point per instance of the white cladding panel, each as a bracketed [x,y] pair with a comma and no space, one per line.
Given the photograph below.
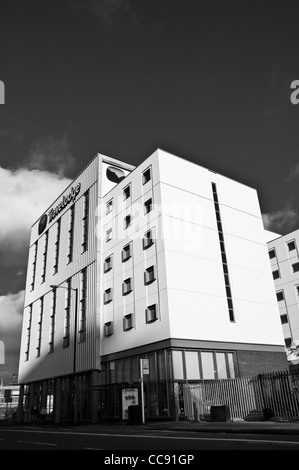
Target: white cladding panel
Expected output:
[60,361]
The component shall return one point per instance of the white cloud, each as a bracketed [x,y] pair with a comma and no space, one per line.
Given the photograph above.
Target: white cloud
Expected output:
[11,314]
[294,173]
[281,221]
[24,196]
[51,154]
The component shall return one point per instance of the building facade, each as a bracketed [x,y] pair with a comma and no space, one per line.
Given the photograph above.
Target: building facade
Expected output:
[284,258]
[157,273]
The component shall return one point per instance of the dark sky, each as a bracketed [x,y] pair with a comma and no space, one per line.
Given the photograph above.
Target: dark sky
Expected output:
[206,80]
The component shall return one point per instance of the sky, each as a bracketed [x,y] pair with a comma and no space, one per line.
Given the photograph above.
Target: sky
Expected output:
[209,81]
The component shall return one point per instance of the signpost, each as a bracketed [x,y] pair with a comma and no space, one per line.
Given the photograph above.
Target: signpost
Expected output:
[144,370]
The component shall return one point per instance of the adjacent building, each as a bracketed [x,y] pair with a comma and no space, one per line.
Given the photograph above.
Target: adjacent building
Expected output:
[160,272]
[284,258]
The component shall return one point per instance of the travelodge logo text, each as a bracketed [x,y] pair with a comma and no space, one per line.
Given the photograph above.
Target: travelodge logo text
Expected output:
[65,201]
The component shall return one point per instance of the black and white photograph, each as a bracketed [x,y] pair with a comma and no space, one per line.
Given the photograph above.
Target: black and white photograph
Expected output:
[149,227]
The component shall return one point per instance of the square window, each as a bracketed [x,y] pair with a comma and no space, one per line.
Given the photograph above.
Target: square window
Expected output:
[147,239]
[275,274]
[148,206]
[127,192]
[272,254]
[126,252]
[128,322]
[107,295]
[109,235]
[108,264]
[288,342]
[149,275]
[291,245]
[108,331]
[151,313]
[295,267]
[127,221]
[146,176]
[284,319]
[127,286]
[279,296]
[109,206]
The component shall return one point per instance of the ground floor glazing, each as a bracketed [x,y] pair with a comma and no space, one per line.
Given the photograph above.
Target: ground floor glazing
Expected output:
[150,381]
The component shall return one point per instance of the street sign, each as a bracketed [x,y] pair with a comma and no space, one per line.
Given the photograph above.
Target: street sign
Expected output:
[145,366]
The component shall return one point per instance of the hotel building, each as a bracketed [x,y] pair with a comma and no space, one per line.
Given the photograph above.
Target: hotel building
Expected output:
[284,258]
[160,272]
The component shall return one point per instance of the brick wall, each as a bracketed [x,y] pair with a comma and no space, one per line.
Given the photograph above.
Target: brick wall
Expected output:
[259,362]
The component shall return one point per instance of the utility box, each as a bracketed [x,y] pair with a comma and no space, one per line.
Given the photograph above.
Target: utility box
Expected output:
[135,414]
[220,413]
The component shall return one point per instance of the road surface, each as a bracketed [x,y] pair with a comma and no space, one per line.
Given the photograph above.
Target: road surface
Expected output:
[12,438]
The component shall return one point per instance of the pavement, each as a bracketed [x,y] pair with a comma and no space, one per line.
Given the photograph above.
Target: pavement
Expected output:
[237,426]
[240,426]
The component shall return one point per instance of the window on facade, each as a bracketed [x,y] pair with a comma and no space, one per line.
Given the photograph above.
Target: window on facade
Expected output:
[127,286]
[231,365]
[52,322]
[149,275]
[295,267]
[128,322]
[192,365]
[85,221]
[147,239]
[126,252]
[71,234]
[148,205]
[284,319]
[223,255]
[67,315]
[83,306]
[177,361]
[279,296]
[109,235]
[291,245]
[34,265]
[57,243]
[127,221]
[108,295]
[28,332]
[108,328]
[39,326]
[108,264]
[297,289]
[151,313]
[288,342]
[109,207]
[272,254]
[221,365]
[45,257]
[127,192]
[275,274]
[146,176]
[207,361]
